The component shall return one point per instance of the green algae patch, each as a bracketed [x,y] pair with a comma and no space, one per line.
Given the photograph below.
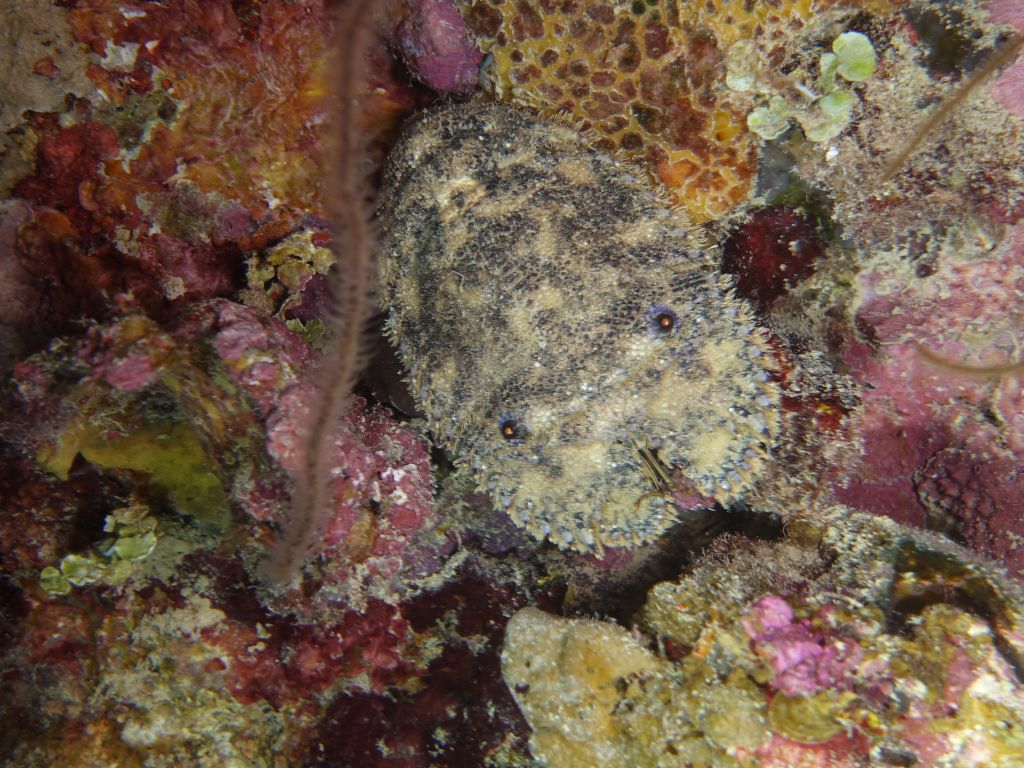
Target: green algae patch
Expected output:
[176,462]
[856,57]
[171,453]
[132,539]
[53,581]
[821,105]
[807,719]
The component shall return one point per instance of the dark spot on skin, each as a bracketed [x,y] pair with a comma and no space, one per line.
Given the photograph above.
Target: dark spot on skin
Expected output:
[650,119]
[483,19]
[602,14]
[631,141]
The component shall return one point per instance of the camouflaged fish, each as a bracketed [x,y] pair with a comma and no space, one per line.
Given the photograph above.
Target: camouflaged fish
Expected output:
[565,333]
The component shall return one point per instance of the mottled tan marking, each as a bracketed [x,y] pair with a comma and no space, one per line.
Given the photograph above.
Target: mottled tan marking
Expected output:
[565,335]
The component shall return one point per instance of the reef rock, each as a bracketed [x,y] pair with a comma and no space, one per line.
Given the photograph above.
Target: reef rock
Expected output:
[856,642]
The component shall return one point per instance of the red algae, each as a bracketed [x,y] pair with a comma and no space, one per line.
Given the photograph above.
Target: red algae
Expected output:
[772,251]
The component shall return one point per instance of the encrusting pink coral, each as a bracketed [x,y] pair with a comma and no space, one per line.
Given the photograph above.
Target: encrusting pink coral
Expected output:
[933,453]
[434,41]
[805,660]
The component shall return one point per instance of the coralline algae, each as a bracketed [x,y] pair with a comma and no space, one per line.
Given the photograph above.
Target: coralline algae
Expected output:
[854,643]
[566,335]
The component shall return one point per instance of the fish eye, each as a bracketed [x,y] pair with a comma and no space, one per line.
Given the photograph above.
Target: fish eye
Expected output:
[512,428]
[662,321]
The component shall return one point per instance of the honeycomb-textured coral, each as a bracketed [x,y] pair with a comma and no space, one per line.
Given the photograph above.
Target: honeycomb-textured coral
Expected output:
[647,77]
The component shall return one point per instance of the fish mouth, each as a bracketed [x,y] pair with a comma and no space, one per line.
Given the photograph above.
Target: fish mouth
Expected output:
[590,495]
[655,471]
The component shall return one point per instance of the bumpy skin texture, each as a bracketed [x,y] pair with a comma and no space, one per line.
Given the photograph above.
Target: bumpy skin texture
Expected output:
[564,333]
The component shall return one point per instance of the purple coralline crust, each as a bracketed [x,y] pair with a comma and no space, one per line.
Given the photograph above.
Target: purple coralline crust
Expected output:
[262,356]
[805,660]
[378,463]
[933,457]
[288,662]
[435,43]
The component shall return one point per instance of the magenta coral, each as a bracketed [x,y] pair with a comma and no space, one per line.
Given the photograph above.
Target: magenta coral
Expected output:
[945,360]
[435,42]
[805,660]
[261,354]
[374,461]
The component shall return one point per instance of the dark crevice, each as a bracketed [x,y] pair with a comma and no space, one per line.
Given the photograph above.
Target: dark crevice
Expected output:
[926,577]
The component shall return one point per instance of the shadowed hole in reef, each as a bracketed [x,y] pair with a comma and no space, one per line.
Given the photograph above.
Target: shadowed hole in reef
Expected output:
[926,577]
[952,43]
[92,514]
[383,379]
[618,596]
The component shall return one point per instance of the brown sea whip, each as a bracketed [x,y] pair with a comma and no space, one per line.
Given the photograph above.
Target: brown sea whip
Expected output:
[352,287]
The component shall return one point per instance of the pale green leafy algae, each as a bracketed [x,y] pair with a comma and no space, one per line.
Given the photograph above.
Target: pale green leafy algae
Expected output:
[831,115]
[836,104]
[826,108]
[772,121]
[80,570]
[828,66]
[53,581]
[133,539]
[136,547]
[856,55]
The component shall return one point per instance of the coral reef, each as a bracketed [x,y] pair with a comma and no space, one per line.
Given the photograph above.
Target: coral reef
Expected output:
[170,247]
[853,643]
[43,64]
[188,421]
[207,415]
